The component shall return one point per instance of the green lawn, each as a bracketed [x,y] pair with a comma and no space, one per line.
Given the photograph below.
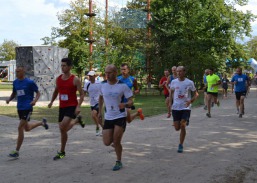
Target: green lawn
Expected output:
[151,104]
[5,86]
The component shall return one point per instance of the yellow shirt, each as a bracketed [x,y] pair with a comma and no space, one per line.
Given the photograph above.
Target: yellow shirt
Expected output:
[212,79]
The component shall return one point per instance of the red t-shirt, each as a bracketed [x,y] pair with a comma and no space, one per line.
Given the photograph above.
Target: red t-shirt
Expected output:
[165,90]
[67,92]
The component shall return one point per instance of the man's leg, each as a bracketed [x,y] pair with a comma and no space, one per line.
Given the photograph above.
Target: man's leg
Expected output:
[182,131]
[209,100]
[117,136]
[20,134]
[168,108]
[242,105]
[205,100]
[131,117]
[64,127]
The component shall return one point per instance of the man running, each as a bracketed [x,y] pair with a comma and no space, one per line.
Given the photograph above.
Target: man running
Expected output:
[162,84]
[240,82]
[111,93]
[180,102]
[213,82]
[67,85]
[93,89]
[24,89]
[131,82]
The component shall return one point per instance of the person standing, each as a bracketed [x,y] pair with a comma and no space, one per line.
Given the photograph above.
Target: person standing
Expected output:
[93,89]
[225,83]
[240,82]
[131,82]
[111,93]
[24,89]
[180,103]
[67,85]
[162,84]
[213,82]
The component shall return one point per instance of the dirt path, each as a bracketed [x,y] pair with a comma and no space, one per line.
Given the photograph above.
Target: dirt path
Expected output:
[221,149]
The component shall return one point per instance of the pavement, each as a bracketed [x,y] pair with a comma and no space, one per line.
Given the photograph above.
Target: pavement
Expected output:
[221,149]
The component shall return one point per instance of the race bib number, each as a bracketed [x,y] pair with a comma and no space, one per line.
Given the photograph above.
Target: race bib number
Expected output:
[20,93]
[240,79]
[112,108]
[64,97]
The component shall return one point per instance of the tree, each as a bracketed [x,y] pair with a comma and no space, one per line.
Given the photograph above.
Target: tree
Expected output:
[197,33]
[252,48]
[7,50]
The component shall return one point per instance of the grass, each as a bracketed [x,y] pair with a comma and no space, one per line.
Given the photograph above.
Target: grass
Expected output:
[5,86]
[152,105]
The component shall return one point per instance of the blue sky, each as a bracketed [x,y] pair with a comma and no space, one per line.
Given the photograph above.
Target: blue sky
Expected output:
[27,21]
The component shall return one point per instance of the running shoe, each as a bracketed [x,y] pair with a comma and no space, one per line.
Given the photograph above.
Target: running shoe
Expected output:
[117,166]
[45,125]
[237,111]
[240,115]
[169,115]
[140,112]
[59,155]
[218,103]
[208,115]
[97,131]
[180,148]
[205,107]
[14,154]
[82,124]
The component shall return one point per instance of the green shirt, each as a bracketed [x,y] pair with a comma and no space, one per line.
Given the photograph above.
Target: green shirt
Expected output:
[212,79]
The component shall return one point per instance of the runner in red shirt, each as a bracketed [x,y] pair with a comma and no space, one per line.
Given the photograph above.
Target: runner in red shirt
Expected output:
[67,85]
[162,84]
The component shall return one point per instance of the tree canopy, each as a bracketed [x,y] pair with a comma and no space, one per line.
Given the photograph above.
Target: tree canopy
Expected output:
[7,50]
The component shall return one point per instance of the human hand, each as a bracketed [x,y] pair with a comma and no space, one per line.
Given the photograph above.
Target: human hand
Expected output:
[50,104]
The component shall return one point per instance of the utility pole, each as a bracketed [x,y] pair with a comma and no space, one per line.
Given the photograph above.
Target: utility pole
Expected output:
[148,61]
[106,31]
[90,40]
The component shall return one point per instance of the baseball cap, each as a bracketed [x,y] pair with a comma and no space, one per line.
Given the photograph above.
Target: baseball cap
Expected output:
[91,73]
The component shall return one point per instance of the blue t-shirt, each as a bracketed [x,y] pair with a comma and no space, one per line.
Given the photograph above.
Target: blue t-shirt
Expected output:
[24,90]
[204,79]
[241,80]
[129,82]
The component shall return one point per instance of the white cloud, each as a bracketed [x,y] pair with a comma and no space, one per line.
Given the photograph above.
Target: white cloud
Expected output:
[26,21]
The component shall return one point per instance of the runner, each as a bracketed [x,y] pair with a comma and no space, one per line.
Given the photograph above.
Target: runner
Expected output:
[93,89]
[24,89]
[213,82]
[162,84]
[131,82]
[239,81]
[225,83]
[111,94]
[180,102]
[67,85]
[172,76]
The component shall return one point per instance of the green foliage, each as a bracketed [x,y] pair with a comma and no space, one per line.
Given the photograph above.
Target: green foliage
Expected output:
[7,50]
[197,34]
[252,48]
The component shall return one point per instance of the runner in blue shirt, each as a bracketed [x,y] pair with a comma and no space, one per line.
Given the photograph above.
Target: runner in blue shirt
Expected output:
[131,82]
[24,89]
[240,82]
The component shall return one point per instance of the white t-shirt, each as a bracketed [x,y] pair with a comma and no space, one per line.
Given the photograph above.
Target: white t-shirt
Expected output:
[112,95]
[93,91]
[182,93]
